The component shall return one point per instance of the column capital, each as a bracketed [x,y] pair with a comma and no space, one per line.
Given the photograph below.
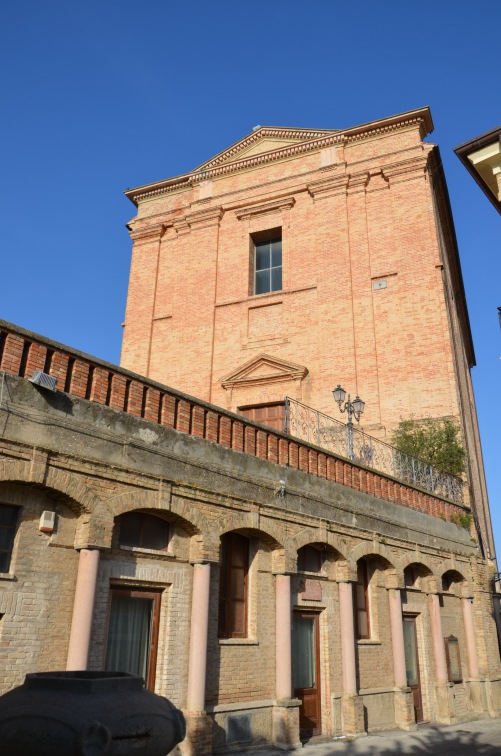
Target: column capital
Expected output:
[394,582]
[346,572]
[90,547]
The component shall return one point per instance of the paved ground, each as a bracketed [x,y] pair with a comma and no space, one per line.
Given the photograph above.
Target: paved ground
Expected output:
[468,739]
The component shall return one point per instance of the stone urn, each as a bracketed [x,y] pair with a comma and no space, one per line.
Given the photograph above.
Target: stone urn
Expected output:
[87,714]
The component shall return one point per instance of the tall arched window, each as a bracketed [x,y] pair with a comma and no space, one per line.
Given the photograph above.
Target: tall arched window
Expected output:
[233,587]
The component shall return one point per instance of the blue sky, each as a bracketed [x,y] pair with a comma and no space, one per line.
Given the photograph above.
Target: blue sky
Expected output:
[100,96]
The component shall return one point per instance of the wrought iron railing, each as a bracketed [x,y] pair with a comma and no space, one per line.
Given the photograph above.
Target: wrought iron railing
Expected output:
[309,425]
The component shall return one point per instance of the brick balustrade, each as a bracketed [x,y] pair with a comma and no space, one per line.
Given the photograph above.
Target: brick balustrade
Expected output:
[22,352]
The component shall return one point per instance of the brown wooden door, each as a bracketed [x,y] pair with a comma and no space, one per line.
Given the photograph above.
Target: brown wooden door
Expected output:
[272,415]
[412,665]
[306,671]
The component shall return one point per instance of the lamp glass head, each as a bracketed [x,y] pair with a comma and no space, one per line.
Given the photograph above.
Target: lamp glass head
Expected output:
[358,406]
[339,394]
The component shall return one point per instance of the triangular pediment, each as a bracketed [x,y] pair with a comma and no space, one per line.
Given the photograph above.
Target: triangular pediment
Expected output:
[264,369]
[263,140]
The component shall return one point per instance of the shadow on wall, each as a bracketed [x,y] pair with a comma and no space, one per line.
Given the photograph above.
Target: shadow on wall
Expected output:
[429,740]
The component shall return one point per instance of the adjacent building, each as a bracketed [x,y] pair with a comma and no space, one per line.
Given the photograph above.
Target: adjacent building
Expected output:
[481,157]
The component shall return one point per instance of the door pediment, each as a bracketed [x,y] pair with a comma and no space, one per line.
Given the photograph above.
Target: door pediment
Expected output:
[264,369]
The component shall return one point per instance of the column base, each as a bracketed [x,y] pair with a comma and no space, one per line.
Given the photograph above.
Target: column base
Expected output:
[352,716]
[445,704]
[477,697]
[405,718]
[492,699]
[285,723]
[198,740]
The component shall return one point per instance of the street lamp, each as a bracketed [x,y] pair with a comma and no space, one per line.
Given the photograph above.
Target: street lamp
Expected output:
[354,409]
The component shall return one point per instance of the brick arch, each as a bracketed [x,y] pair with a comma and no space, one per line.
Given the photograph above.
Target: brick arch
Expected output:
[270,534]
[372,549]
[313,535]
[79,497]
[450,565]
[393,574]
[422,561]
[246,521]
[429,578]
[183,512]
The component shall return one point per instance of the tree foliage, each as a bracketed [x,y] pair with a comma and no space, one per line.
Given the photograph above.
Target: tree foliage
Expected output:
[437,442]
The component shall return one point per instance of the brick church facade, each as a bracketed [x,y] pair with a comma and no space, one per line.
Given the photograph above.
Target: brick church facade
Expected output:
[151,523]
[298,259]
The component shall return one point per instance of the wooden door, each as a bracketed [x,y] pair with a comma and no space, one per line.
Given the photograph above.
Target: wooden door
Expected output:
[306,671]
[272,415]
[412,665]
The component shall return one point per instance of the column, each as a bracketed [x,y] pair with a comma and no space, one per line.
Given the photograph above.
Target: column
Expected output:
[285,710]
[445,705]
[198,738]
[404,708]
[480,699]
[469,630]
[198,639]
[347,639]
[283,622]
[397,636]
[83,610]
[438,640]
[352,709]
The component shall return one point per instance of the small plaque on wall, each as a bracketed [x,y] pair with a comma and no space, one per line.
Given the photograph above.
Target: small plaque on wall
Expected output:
[311,590]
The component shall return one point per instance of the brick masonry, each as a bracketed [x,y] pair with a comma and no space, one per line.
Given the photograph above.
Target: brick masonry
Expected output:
[372,295]
[91,463]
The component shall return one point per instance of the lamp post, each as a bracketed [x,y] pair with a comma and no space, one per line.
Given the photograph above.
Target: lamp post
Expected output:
[354,409]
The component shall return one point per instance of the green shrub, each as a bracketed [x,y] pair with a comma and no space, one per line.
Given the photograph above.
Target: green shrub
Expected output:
[437,442]
[462,520]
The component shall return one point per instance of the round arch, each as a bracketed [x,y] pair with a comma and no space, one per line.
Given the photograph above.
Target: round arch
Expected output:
[79,497]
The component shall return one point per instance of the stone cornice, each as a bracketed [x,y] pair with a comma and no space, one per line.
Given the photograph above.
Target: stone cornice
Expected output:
[208,216]
[400,171]
[278,205]
[148,233]
[213,168]
[328,187]
[358,181]
[205,217]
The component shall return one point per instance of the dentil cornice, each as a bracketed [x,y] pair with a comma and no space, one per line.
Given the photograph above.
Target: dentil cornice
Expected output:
[314,141]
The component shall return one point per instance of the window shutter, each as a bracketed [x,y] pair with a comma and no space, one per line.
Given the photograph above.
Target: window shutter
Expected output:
[233,586]
[362,602]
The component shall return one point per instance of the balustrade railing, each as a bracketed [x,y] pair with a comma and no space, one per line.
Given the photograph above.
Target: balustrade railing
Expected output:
[309,425]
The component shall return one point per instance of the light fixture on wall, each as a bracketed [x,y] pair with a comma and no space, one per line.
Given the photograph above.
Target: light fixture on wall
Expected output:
[354,409]
[47,522]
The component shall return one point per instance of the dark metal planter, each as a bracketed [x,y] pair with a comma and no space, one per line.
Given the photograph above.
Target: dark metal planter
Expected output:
[87,714]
